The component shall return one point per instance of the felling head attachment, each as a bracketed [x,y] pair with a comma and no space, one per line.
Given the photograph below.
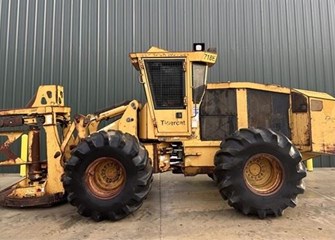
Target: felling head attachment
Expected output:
[44,115]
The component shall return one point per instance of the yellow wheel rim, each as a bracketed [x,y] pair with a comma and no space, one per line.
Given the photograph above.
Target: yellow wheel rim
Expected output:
[263,174]
[105,177]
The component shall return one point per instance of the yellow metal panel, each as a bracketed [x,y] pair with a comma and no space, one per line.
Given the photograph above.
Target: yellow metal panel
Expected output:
[156,49]
[313,94]
[55,168]
[323,127]
[300,131]
[200,153]
[149,147]
[249,85]
[146,126]
[128,121]
[24,154]
[48,95]
[309,164]
[169,125]
[143,123]
[242,108]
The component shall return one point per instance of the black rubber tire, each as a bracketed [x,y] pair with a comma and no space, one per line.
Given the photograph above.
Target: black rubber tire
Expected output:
[134,159]
[212,176]
[232,158]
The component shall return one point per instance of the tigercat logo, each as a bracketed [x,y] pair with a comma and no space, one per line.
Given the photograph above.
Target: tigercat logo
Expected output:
[173,123]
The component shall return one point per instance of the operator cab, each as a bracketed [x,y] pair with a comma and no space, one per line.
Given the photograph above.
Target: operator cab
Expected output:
[174,84]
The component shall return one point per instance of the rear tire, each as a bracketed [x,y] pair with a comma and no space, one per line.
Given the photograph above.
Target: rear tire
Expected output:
[108,176]
[259,172]
[211,176]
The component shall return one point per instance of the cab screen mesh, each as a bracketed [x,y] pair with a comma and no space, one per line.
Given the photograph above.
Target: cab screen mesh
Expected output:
[166,79]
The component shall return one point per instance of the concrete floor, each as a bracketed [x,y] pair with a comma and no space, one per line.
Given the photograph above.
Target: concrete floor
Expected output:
[182,208]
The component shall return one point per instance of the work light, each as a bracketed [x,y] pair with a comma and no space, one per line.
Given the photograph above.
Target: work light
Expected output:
[198,47]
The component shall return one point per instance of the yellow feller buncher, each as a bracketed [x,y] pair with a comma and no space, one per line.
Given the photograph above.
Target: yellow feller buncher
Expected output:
[250,138]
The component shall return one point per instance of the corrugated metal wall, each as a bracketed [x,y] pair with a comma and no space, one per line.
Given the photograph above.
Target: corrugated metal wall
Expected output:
[84,45]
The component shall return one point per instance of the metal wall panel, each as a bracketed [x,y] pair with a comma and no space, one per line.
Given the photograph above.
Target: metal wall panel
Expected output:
[84,44]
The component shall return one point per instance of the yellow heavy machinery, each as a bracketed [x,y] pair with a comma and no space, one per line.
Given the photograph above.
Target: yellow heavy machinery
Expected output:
[250,138]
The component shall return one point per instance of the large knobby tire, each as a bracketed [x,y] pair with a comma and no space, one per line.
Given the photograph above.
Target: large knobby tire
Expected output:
[259,172]
[108,176]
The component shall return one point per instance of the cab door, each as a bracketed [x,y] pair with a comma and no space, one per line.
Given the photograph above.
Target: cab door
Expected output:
[166,90]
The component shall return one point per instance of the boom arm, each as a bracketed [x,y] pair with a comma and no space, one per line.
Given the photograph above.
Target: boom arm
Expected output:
[125,115]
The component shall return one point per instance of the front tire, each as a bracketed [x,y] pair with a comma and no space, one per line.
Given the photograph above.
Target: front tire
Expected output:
[108,176]
[259,172]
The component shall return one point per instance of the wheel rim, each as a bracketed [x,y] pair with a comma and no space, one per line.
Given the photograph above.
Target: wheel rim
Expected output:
[105,177]
[263,174]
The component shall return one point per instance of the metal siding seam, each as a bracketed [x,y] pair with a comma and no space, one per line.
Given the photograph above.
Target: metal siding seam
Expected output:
[248,39]
[186,35]
[1,53]
[70,44]
[331,42]
[239,40]
[314,27]
[88,90]
[274,38]
[1,10]
[23,91]
[133,43]
[295,47]
[113,25]
[43,41]
[61,44]
[305,43]
[322,52]
[231,41]
[313,44]
[15,53]
[126,87]
[169,27]
[80,54]
[243,38]
[268,55]
[300,43]
[34,46]
[270,46]
[210,22]
[226,41]
[288,44]
[119,26]
[98,85]
[213,25]
[262,43]
[308,38]
[160,41]
[6,53]
[107,53]
[258,44]
[114,56]
[52,41]
[279,44]
[325,28]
